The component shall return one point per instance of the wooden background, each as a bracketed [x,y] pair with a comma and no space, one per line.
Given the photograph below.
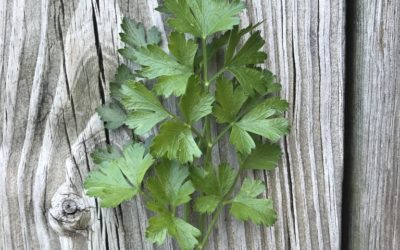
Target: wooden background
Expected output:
[338,183]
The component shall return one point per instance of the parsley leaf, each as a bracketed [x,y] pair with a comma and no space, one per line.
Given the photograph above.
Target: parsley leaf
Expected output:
[241,140]
[168,189]
[202,18]
[207,204]
[170,186]
[272,85]
[142,49]
[145,110]
[175,141]
[123,74]
[229,101]
[264,156]
[214,183]
[119,179]
[184,51]
[245,206]
[135,35]
[168,85]
[249,53]
[234,37]
[195,104]
[107,154]
[155,62]
[183,232]
[260,121]
[249,78]
[112,114]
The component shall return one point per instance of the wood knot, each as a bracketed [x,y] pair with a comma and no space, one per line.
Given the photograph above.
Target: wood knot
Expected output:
[69,213]
[69,206]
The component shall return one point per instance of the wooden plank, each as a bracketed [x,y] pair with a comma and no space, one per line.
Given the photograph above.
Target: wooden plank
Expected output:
[56,63]
[306,47]
[374,142]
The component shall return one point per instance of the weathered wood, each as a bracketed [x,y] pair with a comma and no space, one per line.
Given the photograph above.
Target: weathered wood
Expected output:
[374,144]
[56,59]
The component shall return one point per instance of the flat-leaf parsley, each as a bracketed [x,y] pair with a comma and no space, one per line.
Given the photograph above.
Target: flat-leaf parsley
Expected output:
[175,167]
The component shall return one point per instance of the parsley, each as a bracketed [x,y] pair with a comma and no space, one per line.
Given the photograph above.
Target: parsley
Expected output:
[174,168]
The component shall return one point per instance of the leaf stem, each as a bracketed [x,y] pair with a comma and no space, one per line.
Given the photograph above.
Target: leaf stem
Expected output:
[186,214]
[220,135]
[207,120]
[205,62]
[217,74]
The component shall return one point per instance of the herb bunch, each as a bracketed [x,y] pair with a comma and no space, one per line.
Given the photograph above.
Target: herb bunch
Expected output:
[175,168]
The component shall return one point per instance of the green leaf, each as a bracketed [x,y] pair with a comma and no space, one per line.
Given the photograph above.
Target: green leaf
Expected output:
[183,50]
[245,206]
[213,180]
[195,104]
[175,141]
[272,129]
[107,154]
[112,114]
[157,230]
[145,110]
[214,183]
[249,78]
[249,53]
[123,74]
[169,187]
[183,232]
[261,121]
[202,18]
[153,36]
[155,62]
[268,108]
[207,204]
[168,85]
[272,85]
[135,35]
[264,156]
[241,140]
[234,37]
[119,179]
[171,75]
[229,101]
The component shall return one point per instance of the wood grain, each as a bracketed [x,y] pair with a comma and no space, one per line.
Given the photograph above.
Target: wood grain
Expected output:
[56,60]
[374,154]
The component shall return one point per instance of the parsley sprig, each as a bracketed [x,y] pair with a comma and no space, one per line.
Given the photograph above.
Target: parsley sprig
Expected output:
[175,167]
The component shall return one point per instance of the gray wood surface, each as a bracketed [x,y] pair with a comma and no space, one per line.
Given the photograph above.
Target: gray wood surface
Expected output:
[56,59]
[374,114]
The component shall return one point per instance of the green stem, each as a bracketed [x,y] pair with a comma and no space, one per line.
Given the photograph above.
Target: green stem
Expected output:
[210,228]
[207,120]
[186,214]
[201,223]
[205,62]
[218,211]
[217,75]
[220,135]
[207,131]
